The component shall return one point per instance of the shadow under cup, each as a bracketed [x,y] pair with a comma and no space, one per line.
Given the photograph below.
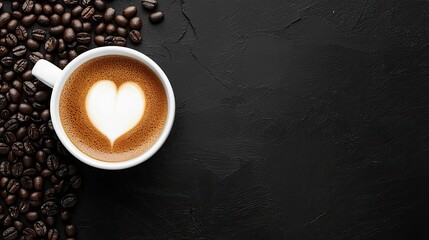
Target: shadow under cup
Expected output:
[72,142]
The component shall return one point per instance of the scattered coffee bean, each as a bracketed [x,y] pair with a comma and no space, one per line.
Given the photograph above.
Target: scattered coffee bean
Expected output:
[39,34]
[32,45]
[99,40]
[10,233]
[21,33]
[57,30]
[119,41]
[108,41]
[11,40]
[59,9]
[87,27]
[43,20]
[121,21]
[20,65]
[66,18]
[109,14]
[28,20]
[77,11]
[4,19]
[12,25]
[70,2]
[122,32]
[77,25]
[135,37]
[83,38]
[29,233]
[47,9]
[130,12]
[100,5]
[53,234]
[156,17]
[87,12]
[149,4]
[97,18]
[19,51]
[135,23]
[100,28]
[36,56]
[40,228]
[37,9]
[110,29]
[55,20]
[51,44]
[27,6]
[69,35]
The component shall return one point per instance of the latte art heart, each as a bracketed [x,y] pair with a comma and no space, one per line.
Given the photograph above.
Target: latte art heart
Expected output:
[115,111]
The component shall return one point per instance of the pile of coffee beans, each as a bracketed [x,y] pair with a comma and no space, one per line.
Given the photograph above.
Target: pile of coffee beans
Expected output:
[37,181]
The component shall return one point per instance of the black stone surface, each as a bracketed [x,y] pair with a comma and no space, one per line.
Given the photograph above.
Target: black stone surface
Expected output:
[295,120]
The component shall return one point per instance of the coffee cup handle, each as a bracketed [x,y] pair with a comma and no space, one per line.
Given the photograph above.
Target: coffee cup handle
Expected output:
[47,72]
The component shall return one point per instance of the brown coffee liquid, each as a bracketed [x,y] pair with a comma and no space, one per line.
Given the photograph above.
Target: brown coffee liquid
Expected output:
[83,133]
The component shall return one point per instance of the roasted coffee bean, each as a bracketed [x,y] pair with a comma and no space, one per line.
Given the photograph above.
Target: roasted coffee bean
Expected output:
[14,212]
[53,234]
[87,27]
[21,133]
[11,125]
[27,182]
[28,20]
[17,169]
[97,18]
[18,225]
[23,194]
[45,115]
[65,215]
[5,168]
[12,186]
[25,108]
[50,221]
[59,9]
[149,4]
[49,57]
[71,2]
[47,9]
[29,234]
[42,96]
[5,114]
[29,88]
[156,17]
[100,28]
[24,206]
[3,183]
[76,24]
[29,148]
[11,157]
[55,19]
[3,51]
[77,11]
[36,56]
[121,21]
[108,41]
[87,13]
[32,45]
[63,63]
[38,183]
[11,40]
[135,23]
[75,182]
[27,6]
[14,95]
[19,51]
[109,14]
[61,171]
[20,66]
[41,156]
[99,40]
[110,29]
[135,37]
[29,172]
[39,34]
[32,216]
[51,44]
[130,12]
[43,20]
[4,19]
[9,76]
[122,32]
[35,199]
[66,18]
[52,163]
[83,38]
[49,208]
[12,25]
[8,220]
[72,54]
[40,228]
[70,230]
[57,30]
[68,200]
[69,35]
[33,132]
[100,5]
[27,76]
[18,148]
[9,137]
[38,9]
[3,101]
[21,33]
[119,41]
[10,233]
[7,61]
[17,15]
[10,200]
[81,48]
[3,32]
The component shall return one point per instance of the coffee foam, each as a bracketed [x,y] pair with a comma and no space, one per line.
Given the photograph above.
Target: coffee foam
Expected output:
[115,111]
[79,127]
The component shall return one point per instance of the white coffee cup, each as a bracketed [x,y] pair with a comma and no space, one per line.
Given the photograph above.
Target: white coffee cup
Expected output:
[56,78]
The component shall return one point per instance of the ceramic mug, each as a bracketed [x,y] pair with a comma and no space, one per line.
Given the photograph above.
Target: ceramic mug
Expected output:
[55,78]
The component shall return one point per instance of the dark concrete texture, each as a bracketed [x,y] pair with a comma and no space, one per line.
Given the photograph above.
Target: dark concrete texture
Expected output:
[296,119]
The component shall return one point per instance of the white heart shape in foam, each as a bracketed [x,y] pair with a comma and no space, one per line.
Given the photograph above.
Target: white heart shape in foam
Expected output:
[115,111]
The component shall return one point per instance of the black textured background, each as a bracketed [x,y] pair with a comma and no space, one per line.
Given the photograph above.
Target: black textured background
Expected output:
[296,119]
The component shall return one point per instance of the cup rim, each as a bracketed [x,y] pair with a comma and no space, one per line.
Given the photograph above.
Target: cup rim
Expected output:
[105,51]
